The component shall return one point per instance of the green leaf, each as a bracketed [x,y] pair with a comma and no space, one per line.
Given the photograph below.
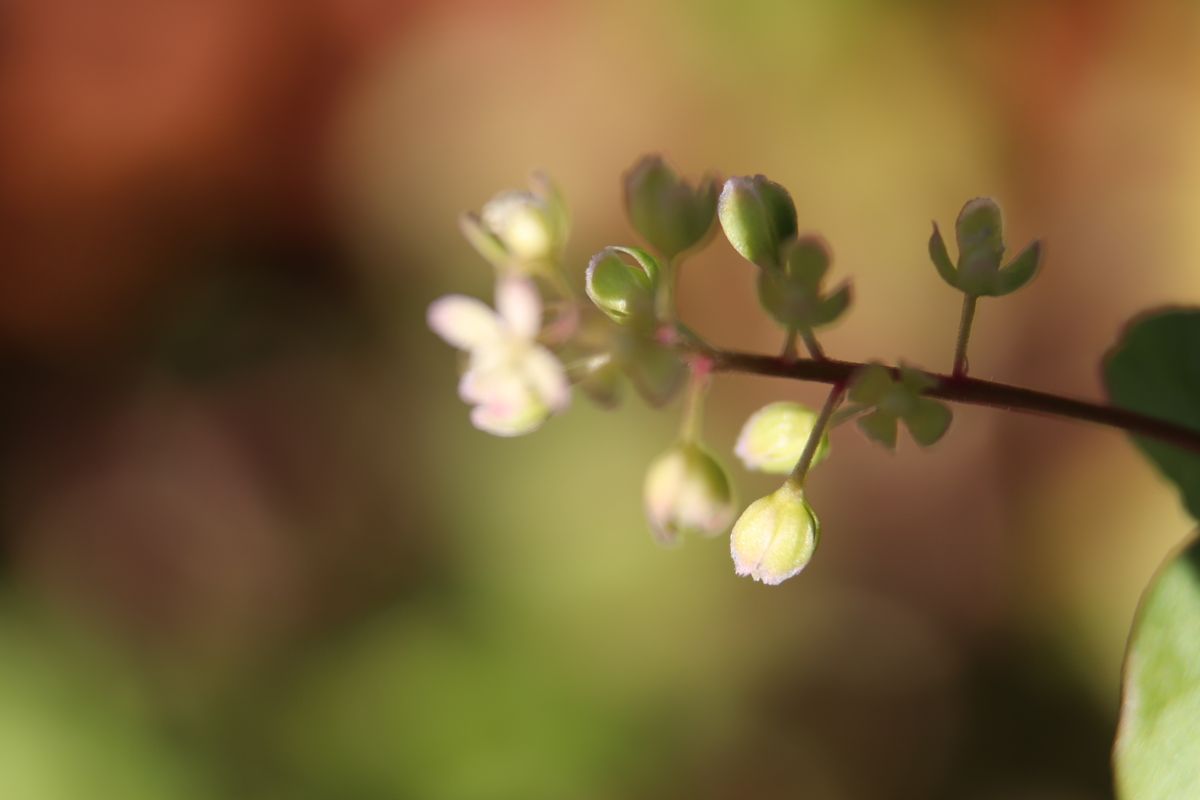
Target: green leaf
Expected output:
[1157,752]
[1155,370]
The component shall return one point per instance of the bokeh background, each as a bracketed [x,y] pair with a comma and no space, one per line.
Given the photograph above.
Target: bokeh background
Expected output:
[253,549]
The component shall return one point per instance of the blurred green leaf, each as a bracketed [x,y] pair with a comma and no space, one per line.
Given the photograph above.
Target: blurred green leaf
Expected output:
[1157,753]
[1155,370]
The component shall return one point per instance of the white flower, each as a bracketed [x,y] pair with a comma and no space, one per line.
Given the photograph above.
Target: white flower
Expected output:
[513,382]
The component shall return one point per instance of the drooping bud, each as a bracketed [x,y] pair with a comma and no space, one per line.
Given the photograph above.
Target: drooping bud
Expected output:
[520,231]
[774,437]
[666,211]
[687,492]
[775,537]
[758,218]
[623,291]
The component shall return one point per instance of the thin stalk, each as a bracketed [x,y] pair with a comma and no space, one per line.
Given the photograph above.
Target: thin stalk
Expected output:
[693,408]
[790,353]
[971,391]
[665,299]
[800,471]
[810,341]
[964,334]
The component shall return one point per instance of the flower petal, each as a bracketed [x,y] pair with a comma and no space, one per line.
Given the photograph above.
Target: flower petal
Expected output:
[463,321]
[547,378]
[508,419]
[520,307]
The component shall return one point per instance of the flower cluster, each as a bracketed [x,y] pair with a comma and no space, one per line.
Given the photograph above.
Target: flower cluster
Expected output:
[524,356]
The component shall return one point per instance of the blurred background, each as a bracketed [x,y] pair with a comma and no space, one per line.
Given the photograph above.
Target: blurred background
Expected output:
[253,549]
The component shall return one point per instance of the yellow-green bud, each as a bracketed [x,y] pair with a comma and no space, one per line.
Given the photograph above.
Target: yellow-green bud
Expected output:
[775,537]
[774,437]
[758,218]
[687,492]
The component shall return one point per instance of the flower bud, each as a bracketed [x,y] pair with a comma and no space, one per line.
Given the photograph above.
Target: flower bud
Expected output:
[520,231]
[775,537]
[774,437]
[687,492]
[758,218]
[623,291]
[979,230]
[666,211]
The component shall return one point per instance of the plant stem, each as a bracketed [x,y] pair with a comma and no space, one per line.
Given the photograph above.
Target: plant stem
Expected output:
[789,345]
[972,391]
[665,300]
[810,341]
[964,334]
[693,409]
[800,471]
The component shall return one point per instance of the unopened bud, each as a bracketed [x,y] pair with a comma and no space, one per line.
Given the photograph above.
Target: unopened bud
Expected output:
[758,218]
[774,437]
[520,231]
[687,492]
[623,291]
[666,211]
[775,537]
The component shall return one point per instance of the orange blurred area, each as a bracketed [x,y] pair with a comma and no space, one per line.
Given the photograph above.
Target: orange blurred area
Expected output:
[252,547]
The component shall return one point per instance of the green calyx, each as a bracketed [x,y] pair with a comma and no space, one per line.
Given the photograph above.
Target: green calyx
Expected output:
[668,213]
[792,293]
[979,232]
[884,400]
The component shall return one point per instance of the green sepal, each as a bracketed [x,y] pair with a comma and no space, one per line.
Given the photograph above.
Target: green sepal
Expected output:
[655,370]
[485,243]
[879,427]
[833,306]
[870,383]
[941,258]
[1020,271]
[928,421]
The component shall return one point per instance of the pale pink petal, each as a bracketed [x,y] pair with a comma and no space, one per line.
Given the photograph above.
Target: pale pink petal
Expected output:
[520,307]
[463,321]
[505,419]
[547,378]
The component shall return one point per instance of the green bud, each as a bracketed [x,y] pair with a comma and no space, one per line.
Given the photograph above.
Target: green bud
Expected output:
[774,437]
[687,492]
[623,291]
[666,211]
[775,537]
[758,218]
[518,231]
[979,230]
